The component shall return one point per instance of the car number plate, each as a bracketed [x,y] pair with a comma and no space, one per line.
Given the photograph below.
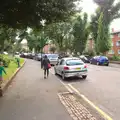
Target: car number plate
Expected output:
[78,68]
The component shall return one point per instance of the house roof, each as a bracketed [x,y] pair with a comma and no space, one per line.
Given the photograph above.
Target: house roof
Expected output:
[116,32]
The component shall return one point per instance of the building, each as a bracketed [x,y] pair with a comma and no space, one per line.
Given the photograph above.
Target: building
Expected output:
[46,48]
[115,37]
[115,50]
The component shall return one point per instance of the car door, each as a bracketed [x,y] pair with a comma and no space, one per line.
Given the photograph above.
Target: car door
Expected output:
[95,60]
[57,66]
[61,66]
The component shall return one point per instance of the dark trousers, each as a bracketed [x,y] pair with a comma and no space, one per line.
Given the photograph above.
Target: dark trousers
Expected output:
[46,71]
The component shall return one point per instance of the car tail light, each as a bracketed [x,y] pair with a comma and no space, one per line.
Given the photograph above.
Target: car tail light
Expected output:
[85,66]
[66,68]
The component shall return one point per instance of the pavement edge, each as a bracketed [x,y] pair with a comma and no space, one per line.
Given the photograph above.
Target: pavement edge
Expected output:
[4,88]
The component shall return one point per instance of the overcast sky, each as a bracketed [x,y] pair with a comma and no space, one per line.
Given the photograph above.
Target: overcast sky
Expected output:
[89,6]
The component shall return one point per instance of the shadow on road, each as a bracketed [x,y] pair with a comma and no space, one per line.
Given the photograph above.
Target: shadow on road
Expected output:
[71,79]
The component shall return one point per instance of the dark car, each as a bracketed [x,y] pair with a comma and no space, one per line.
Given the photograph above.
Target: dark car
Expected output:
[31,55]
[39,56]
[99,60]
[85,58]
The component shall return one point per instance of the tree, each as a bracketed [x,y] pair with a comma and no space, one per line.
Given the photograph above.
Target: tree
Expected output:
[23,13]
[80,32]
[53,49]
[60,34]
[103,38]
[36,40]
[110,12]
[94,25]
[7,35]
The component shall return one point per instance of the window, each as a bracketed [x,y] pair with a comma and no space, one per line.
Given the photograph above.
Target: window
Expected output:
[119,35]
[62,62]
[118,51]
[74,62]
[111,52]
[118,43]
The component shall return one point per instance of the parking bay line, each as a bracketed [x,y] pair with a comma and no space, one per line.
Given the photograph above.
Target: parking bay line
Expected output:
[91,104]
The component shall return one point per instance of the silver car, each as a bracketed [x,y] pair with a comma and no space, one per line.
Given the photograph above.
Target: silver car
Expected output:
[53,58]
[71,67]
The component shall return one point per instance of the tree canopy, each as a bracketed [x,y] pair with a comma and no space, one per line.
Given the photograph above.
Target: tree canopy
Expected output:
[22,13]
[81,33]
[103,38]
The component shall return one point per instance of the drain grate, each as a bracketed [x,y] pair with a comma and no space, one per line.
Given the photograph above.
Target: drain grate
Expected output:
[76,110]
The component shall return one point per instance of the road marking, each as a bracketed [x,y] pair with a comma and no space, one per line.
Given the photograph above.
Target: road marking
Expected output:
[71,89]
[66,86]
[90,103]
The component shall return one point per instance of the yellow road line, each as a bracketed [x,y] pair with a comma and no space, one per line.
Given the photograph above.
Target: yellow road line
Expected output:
[66,86]
[92,104]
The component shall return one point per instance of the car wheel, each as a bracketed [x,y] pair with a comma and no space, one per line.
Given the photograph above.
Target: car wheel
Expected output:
[84,76]
[63,76]
[107,64]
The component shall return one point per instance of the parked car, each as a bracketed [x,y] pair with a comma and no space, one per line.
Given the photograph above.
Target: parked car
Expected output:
[53,58]
[99,60]
[38,57]
[24,55]
[85,58]
[71,67]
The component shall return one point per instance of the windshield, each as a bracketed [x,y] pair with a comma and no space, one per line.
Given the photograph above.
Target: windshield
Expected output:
[74,62]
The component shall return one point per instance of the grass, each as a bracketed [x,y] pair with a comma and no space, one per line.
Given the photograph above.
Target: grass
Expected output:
[11,69]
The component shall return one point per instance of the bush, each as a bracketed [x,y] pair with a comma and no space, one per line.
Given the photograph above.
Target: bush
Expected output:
[115,58]
[5,59]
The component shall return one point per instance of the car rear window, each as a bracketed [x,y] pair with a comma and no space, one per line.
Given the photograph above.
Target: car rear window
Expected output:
[74,62]
[104,57]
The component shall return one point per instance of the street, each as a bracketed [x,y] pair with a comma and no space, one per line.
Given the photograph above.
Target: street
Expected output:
[102,87]
[30,97]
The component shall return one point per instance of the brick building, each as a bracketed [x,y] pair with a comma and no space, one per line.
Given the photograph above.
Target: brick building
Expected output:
[115,50]
[115,37]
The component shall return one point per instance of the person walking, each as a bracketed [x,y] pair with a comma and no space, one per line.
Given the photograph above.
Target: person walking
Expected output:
[17,61]
[46,66]
[1,72]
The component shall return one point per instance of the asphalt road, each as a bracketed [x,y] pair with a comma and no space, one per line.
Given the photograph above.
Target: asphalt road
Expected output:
[102,87]
[30,97]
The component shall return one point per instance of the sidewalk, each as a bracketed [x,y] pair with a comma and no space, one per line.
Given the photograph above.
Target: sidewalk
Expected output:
[30,97]
[114,65]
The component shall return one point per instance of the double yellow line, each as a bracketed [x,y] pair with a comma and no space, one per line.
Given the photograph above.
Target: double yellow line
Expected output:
[71,89]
